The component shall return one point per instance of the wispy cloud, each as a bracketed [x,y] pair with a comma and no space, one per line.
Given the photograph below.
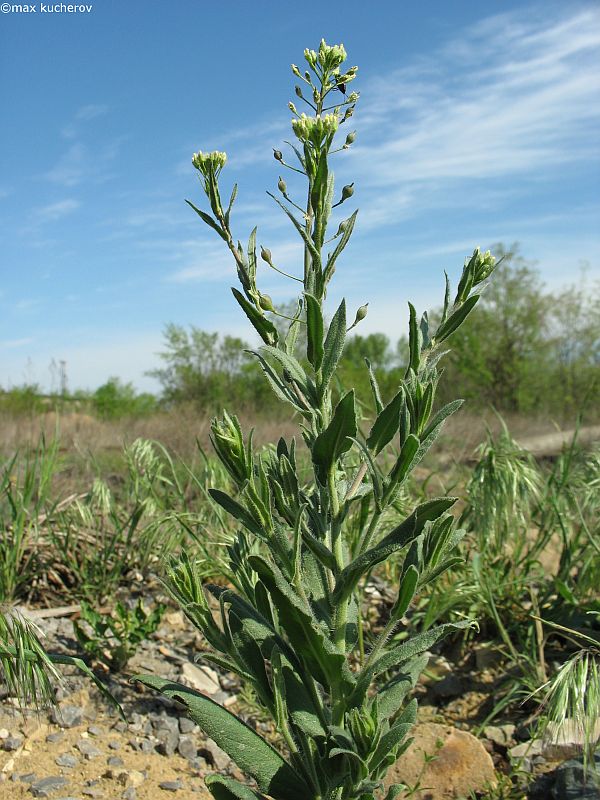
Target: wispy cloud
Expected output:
[83,114]
[54,211]
[12,344]
[530,109]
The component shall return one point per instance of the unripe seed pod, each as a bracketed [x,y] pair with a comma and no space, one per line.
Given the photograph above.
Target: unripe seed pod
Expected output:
[298,91]
[281,185]
[361,313]
[265,302]
[347,191]
[292,107]
[277,155]
[351,138]
[265,254]
[296,71]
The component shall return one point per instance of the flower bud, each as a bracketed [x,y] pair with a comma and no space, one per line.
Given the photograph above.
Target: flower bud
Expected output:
[265,302]
[277,155]
[350,138]
[361,313]
[296,71]
[292,107]
[281,185]
[342,228]
[298,91]
[265,254]
[347,191]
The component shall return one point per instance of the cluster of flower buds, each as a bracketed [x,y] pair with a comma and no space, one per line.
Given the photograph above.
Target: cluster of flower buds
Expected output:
[315,129]
[476,270]
[228,441]
[209,164]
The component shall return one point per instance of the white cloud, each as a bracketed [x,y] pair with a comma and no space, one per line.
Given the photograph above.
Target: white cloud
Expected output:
[55,211]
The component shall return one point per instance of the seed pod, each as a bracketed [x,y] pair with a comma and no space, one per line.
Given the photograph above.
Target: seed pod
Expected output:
[281,185]
[292,107]
[296,71]
[361,313]
[347,191]
[265,302]
[298,91]
[350,139]
[277,155]
[265,254]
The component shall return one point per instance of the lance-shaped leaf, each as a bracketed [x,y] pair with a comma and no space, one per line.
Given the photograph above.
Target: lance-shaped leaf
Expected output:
[456,319]
[309,640]
[396,734]
[223,788]
[386,425]
[208,220]
[389,699]
[337,437]
[415,341]
[314,329]
[251,753]
[400,654]
[398,538]
[334,345]
[441,416]
[374,387]
[341,244]
[264,327]
[299,703]
[238,511]
[406,592]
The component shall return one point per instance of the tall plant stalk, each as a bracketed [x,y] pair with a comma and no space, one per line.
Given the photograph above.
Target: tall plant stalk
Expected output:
[290,628]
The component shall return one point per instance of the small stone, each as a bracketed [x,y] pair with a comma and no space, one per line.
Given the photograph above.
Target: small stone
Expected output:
[87,749]
[115,761]
[91,792]
[500,735]
[127,777]
[67,716]
[120,726]
[95,730]
[187,747]
[171,786]
[55,738]
[167,741]
[129,793]
[114,744]
[487,656]
[566,739]
[66,760]
[572,782]
[12,743]
[4,733]
[202,678]
[186,725]
[447,687]
[147,746]
[219,757]
[28,777]
[45,787]
[175,619]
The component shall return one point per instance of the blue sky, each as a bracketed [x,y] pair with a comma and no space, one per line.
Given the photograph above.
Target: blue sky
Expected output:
[478,122]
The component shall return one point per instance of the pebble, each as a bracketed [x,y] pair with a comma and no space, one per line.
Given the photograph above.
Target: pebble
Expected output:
[87,749]
[115,761]
[46,786]
[168,741]
[129,793]
[12,743]
[95,730]
[54,738]
[187,747]
[66,760]
[90,792]
[28,777]
[171,786]
[114,744]
[4,733]
[202,678]
[186,725]
[219,757]
[67,716]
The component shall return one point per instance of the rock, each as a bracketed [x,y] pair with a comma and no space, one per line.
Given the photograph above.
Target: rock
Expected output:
[168,739]
[67,716]
[571,782]
[501,735]
[45,787]
[487,656]
[129,793]
[450,686]
[187,747]
[87,749]
[28,777]
[170,786]
[461,764]
[186,725]
[202,678]
[566,739]
[523,753]
[54,738]
[66,760]
[219,757]
[4,733]
[114,744]
[115,761]
[437,668]
[91,792]
[95,730]
[12,743]
[175,620]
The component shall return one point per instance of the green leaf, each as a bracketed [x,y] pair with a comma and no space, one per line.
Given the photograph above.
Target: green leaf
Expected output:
[342,242]
[208,220]
[405,461]
[396,734]
[374,388]
[264,327]
[314,325]
[238,511]
[408,587]
[415,341]
[299,703]
[300,228]
[401,653]
[398,538]
[223,788]
[231,202]
[251,753]
[390,698]
[334,345]
[336,439]
[386,425]
[456,319]
[441,416]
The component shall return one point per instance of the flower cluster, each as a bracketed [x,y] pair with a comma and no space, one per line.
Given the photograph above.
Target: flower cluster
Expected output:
[315,129]
[329,57]
[209,164]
